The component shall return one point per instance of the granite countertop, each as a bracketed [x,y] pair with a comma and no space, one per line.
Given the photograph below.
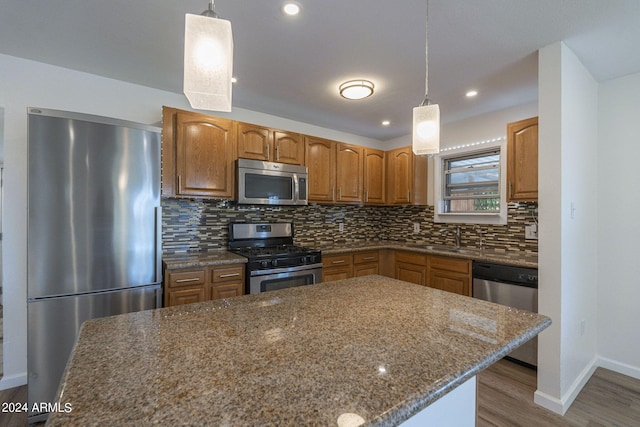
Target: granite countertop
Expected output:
[500,257]
[372,346]
[201,259]
[220,257]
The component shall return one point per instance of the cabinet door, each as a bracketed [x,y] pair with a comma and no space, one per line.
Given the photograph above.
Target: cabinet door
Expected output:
[399,176]
[205,152]
[185,296]
[288,147]
[360,270]
[448,281]
[321,165]
[254,142]
[412,273]
[226,290]
[449,274]
[349,172]
[522,160]
[336,273]
[374,176]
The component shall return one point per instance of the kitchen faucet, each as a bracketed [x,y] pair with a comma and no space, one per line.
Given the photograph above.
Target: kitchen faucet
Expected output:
[456,234]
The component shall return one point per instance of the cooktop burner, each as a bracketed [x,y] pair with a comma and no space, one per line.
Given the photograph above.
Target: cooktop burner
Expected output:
[269,245]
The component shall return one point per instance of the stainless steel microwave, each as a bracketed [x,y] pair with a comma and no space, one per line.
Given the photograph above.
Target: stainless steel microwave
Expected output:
[269,183]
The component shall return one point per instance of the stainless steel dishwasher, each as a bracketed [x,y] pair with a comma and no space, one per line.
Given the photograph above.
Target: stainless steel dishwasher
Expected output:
[513,286]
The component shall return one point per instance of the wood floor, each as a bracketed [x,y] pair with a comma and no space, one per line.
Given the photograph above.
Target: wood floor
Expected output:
[505,398]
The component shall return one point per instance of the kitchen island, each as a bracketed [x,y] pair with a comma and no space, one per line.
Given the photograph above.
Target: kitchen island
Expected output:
[371,349]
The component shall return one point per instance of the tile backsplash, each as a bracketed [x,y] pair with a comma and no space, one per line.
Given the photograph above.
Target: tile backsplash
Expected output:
[198,225]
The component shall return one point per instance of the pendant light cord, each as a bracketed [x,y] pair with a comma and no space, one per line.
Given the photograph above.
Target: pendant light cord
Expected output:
[426,55]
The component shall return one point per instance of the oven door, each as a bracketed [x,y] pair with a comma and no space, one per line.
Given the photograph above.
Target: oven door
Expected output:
[282,278]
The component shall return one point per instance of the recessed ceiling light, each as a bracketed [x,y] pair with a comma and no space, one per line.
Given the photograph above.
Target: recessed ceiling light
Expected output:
[356,89]
[386,123]
[291,8]
[471,93]
[234,80]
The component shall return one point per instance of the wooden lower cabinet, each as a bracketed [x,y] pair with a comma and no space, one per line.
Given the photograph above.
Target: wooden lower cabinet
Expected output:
[449,274]
[337,267]
[366,263]
[187,286]
[352,264]
[184,296]
[411,267]
[439,272]
[226,281]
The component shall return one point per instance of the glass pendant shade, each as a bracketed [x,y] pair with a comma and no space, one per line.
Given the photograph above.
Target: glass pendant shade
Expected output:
[208,62]
[426,129]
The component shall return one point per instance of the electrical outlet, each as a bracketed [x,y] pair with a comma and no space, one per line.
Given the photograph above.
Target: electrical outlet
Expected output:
[531,232]
[341,227]
[416,227]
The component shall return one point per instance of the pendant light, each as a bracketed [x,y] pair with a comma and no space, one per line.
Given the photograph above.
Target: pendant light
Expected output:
[426,117]
[208,61]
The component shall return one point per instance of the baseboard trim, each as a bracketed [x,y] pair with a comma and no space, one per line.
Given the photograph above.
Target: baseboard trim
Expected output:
[560,406]
[12,381]
[621,368]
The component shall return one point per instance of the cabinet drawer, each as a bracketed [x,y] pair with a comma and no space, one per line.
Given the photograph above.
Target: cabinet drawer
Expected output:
[451,264]
[336,260]
[186,278]
[225,274]
[364,257]
[411,258]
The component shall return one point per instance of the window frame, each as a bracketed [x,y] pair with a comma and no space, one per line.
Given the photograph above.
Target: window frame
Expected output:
[499,217]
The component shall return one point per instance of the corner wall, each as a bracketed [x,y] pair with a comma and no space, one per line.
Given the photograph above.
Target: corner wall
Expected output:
[568,144]
[618,226]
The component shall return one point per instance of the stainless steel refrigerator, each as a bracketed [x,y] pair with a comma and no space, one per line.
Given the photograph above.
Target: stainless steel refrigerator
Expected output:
[94,232]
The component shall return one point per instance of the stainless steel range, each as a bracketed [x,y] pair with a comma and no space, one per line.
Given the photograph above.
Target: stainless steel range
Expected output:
[274,262]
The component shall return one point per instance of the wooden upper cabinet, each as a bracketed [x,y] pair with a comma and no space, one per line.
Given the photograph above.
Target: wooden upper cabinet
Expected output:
[198,155]
[374,176]
[289,147]
[321,164]
[260,143]
[254,142]
[522,160]
[406,177]
[349,172]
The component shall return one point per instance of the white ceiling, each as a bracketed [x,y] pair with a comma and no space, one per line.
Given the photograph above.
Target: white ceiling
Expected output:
[292,67]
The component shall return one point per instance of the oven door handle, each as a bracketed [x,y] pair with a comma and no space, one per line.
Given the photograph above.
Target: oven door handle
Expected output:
[285,270]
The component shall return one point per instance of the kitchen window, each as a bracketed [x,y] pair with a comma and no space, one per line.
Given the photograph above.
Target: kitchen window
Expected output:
[469,185]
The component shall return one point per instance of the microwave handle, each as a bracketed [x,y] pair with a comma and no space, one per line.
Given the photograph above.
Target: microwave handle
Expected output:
[296,188]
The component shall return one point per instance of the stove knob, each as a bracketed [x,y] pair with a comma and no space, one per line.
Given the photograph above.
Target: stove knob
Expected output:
[303,259]
[311,259]
[264,264]
[274,263]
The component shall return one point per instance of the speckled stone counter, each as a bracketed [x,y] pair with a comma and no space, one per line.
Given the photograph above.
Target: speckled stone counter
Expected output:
[372,346]
[498,257]
[201,259]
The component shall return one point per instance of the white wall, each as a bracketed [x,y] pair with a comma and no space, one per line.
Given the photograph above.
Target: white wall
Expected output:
[568,104]
[32,84]
[619,227]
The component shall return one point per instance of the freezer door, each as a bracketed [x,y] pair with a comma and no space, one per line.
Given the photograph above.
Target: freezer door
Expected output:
[54,324]
[94,197]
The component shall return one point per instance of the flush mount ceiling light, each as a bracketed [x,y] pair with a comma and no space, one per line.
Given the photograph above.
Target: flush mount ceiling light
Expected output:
[426,117]
[356,89]
[291,8]
[208,61]
[471,93]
